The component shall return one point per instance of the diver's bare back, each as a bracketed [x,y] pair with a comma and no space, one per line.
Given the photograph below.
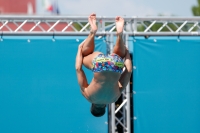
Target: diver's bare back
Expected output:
[104,87]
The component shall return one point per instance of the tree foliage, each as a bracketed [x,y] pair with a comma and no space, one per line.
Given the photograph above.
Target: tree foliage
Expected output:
[196,9]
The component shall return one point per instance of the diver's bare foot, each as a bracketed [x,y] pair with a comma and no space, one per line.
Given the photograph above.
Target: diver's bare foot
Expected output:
[92,21]
[119,24]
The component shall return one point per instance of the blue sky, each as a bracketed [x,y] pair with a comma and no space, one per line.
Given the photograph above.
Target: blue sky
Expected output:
[122,7]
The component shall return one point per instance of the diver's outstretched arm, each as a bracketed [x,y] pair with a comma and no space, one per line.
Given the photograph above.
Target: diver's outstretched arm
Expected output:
[82,80]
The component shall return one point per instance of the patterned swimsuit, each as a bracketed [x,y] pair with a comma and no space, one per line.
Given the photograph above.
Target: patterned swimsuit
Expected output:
[111,62]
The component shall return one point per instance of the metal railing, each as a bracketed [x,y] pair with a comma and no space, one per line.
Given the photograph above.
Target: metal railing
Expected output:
[78,25]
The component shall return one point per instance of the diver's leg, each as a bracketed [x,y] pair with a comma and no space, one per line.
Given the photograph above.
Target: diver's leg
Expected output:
[88,44]
[87,60]
[119,48]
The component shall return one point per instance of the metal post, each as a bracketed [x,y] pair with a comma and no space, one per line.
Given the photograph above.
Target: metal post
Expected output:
[124,94]
[128,113]
[113,104]
[111,43]
[135,25]
[113,117]
[124,110]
